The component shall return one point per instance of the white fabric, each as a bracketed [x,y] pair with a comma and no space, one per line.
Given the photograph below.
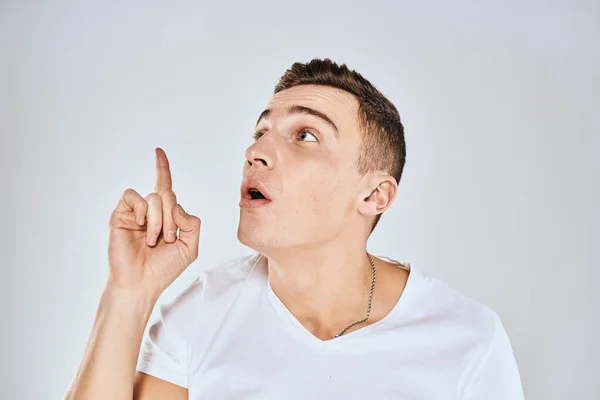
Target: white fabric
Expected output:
[228,336]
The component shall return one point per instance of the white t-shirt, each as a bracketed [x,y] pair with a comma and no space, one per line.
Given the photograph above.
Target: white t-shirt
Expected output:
[228,336]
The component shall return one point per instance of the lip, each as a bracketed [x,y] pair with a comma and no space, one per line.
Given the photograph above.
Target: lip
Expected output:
[248,203]
[246,200]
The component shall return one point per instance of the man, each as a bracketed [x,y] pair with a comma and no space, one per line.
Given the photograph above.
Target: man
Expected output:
[311,315]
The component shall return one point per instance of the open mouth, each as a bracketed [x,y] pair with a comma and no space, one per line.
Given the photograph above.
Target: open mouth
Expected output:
[255,194]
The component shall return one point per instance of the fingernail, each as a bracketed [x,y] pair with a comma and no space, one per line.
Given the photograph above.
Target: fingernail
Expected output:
[170,236]
[141,220]
[152,241]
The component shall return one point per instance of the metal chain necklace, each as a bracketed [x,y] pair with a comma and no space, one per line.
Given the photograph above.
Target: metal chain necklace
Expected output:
[374,273]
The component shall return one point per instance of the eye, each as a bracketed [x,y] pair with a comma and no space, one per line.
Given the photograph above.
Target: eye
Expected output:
[302,132]
[257,135]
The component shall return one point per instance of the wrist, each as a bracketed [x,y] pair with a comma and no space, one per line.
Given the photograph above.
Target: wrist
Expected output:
[133,301]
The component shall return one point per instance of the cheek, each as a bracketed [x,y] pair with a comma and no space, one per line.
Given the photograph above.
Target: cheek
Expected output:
[325,196]
[318,189]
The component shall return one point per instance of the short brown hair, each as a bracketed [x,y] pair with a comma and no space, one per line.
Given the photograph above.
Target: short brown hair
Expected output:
[383,146]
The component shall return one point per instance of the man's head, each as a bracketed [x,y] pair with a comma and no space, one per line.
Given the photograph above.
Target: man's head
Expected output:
[329,151]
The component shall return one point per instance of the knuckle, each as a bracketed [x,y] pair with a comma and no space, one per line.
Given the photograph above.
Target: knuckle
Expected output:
[116,221]
[154,197]
[168,194]
[129,191]
[142,205]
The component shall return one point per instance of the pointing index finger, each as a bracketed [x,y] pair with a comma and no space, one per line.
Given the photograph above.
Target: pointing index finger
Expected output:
[163,172]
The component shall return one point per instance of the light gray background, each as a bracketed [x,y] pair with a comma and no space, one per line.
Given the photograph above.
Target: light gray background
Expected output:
[499,197]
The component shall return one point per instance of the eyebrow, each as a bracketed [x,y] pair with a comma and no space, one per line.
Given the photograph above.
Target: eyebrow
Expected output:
[298,109]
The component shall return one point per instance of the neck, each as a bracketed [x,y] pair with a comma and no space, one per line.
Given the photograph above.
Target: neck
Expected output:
[325,287]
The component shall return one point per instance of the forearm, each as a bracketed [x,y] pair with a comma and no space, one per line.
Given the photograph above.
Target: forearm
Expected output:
[108,367]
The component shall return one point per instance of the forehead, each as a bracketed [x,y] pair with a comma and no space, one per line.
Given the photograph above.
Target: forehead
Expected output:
[340,106]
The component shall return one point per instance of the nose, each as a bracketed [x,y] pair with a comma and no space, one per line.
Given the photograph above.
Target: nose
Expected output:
[260,154]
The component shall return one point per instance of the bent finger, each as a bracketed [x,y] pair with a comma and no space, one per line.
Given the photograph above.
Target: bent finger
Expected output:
[168,225]
[136,203]
[154,217]
[189,229]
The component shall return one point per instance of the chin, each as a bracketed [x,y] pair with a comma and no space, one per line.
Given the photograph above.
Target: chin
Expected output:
[255,236]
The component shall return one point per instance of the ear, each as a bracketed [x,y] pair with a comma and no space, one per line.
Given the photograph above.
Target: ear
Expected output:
[379,197]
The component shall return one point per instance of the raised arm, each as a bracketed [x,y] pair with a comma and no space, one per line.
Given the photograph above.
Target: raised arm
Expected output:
[145,255]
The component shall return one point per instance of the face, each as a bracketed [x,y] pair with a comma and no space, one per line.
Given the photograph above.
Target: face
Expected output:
[305,165]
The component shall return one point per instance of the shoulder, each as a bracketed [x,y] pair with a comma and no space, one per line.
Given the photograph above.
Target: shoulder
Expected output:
[487,366]
[218,281]
[430,303]
[232,270]
[441,302]
[172,330]
[469,327]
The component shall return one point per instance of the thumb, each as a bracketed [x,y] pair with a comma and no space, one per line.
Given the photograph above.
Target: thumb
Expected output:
[189,228]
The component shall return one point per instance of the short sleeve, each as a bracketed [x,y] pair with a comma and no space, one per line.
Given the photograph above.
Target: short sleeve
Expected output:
[166,345]
[496,376]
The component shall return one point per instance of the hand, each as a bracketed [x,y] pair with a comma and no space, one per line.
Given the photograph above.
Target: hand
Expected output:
[144,251]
